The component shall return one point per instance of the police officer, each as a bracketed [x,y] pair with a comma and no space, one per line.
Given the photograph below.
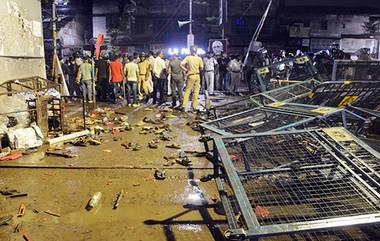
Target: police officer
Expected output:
[192,66]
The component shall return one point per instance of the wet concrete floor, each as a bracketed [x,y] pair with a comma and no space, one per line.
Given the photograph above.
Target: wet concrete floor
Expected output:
[174,209]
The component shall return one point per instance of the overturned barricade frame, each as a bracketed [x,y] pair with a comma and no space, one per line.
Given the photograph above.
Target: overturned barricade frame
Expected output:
[287,71]
[295,181]
[364,94]
[291,93]
[279,116]
[359,70]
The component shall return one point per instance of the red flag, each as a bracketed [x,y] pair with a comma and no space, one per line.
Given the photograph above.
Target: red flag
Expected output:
[99,42]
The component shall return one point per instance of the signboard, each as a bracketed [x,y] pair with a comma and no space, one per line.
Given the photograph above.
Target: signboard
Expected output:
[157,47]
[217,46]
[351,45]
[299,32]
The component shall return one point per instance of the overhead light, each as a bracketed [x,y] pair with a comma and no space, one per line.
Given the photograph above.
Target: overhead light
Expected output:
[184,51]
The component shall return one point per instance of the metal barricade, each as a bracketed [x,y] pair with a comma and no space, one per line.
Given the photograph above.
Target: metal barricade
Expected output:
[285,72]
[291,93]
[291,182]
[360,70]
[365,94]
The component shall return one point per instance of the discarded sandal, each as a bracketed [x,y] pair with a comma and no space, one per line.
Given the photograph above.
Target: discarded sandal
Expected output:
[160,175]
[184,161]
[174,146]
[152,145]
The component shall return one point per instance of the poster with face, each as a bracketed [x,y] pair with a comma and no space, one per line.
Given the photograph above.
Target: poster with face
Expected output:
[218,46]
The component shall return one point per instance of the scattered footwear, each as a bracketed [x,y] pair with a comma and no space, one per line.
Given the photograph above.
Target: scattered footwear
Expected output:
[204,138]
[147,128]
[6,220]
[152,145]
[160,175]
[174,146]
[131,146]
[185,161]
[136,148]
[165,136]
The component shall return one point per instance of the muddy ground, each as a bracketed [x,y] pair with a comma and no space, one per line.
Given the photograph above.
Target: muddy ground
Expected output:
[178,208]
[181,207]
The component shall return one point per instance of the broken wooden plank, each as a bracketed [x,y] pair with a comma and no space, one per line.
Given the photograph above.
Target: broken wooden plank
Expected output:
[68,137]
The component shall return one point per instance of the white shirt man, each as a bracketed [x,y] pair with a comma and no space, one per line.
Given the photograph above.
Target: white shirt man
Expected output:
[210,64]
[159,66]
[159,78]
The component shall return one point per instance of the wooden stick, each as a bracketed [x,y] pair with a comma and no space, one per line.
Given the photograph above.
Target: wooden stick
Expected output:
[68,137]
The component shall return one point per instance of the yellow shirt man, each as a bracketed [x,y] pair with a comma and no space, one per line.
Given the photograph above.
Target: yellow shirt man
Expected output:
[143,87]
[193,66]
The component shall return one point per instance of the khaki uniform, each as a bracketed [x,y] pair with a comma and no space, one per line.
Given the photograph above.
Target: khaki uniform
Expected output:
[143,84]
[194,66]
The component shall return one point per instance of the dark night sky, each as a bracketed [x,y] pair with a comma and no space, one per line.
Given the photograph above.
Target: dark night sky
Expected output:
[346,3]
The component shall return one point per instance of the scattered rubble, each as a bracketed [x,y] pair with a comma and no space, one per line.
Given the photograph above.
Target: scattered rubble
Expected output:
[6,220]
[61,153]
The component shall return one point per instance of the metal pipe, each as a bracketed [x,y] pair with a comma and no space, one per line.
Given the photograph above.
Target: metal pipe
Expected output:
[54,26]
[257,32]
[191,16]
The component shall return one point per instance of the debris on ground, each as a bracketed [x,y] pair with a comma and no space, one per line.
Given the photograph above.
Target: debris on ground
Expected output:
[25,138]
[21,210]
[131,146]
[174,146]
[160,175]
[61,153]
[185,161]
[261,211]
[196,153]
[27,237]
[68,137]
[13,155]
[52,213]
[85,141]
[117,138]
[165,136]
[205,138]
[153,145]
[195,125]
[18,227]
[6,220]
[95,199]
[119,195]
[5,152]
[12,193]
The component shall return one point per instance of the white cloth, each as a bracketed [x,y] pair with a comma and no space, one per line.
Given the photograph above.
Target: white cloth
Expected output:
[159,66]
[209,64]
[209,79]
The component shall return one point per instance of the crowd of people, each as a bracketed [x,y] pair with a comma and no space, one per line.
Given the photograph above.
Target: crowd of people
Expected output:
[152,78]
